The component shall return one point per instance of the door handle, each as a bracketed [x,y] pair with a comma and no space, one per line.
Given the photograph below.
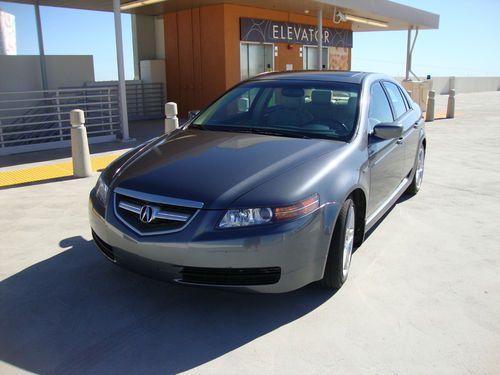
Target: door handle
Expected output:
[399,141]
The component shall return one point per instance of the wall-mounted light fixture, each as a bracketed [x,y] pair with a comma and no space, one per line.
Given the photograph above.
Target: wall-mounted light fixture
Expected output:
[139,3]
[367,21]
[341,17]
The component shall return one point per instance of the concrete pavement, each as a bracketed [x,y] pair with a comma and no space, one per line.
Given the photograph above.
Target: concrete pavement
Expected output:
[423,296]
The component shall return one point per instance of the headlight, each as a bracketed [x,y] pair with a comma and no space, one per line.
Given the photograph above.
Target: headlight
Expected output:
[258,216]
[101,191]
[246,217]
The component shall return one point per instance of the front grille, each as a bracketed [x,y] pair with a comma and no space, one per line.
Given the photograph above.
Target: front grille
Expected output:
[231,276]
[106,249]
[164,214]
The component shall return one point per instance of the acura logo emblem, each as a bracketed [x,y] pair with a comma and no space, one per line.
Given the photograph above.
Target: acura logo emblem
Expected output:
[147,214]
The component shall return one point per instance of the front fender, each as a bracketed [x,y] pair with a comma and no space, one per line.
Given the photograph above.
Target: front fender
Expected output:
[333,176]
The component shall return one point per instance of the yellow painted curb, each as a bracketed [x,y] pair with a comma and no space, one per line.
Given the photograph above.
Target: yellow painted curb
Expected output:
[50,171]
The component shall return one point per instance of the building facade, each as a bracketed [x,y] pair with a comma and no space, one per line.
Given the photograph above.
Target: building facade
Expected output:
[8,44]
[210,49]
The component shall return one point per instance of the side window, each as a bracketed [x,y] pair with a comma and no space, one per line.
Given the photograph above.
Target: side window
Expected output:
[397,100]
[406,97]
[380,110]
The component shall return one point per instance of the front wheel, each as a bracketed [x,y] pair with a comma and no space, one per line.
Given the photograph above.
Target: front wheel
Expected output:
[419,171]
[341,247]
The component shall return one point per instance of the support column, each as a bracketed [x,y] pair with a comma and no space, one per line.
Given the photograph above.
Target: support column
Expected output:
[135,48]
[122,90]
[41,50]
[408,56]
[320,39]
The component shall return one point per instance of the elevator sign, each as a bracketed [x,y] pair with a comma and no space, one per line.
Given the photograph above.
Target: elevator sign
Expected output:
[267,31]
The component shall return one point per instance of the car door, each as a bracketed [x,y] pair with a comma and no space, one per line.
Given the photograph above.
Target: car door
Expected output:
[413,137]
[409,118]
[386,156]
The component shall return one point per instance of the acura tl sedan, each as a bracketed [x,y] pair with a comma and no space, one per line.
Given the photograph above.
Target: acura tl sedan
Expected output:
[269,188]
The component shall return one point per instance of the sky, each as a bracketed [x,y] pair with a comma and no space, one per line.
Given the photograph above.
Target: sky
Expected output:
[74,32]
[466,44]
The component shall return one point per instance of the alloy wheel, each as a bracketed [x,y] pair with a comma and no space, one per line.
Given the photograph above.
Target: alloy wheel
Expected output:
[419,174]
[348,241]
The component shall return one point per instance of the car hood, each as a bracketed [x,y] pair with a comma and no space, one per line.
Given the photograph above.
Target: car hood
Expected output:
[214,167]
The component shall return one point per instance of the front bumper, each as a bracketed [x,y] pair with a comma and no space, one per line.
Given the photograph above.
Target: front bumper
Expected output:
[273,259]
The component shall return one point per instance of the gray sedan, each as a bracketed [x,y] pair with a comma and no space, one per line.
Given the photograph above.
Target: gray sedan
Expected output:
[270,188]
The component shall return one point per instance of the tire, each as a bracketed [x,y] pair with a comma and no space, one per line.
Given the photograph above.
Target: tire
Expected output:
[341,247]
[416,184]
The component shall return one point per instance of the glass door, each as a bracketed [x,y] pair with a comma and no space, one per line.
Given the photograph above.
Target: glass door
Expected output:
[255,59]
[310,56]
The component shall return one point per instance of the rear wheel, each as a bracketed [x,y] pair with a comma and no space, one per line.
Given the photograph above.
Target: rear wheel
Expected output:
[339,256]
[419,171]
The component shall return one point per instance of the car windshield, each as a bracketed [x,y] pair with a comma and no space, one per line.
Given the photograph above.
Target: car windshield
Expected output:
[307,109]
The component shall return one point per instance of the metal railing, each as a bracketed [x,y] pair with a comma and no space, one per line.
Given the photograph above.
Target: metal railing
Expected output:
[42,117]
[34,120]
[145,101]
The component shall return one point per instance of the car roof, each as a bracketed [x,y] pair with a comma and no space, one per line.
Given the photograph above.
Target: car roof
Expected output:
[315,75]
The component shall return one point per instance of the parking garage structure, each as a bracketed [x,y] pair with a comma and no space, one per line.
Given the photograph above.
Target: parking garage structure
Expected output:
[199,49]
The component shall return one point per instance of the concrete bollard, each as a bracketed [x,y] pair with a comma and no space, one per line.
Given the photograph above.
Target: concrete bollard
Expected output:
[431,104]
[450,111]
[79,144]
[452,83]
[171,120]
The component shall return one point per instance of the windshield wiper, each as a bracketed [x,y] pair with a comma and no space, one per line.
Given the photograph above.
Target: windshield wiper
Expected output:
[277,133]
[196,126]
[261,131]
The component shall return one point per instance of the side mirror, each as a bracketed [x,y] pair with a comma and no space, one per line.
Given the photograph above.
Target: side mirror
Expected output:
[388,130]
[193,113]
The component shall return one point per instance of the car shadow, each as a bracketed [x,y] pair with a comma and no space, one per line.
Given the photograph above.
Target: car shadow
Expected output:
[77,313]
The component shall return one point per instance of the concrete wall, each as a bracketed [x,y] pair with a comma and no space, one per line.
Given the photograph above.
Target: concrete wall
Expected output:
[160,38]
[148,40]
[464,84]
[22,73]
[153,71]
[144,40]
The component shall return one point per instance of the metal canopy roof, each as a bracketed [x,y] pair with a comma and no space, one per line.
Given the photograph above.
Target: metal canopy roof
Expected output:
[397,16]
